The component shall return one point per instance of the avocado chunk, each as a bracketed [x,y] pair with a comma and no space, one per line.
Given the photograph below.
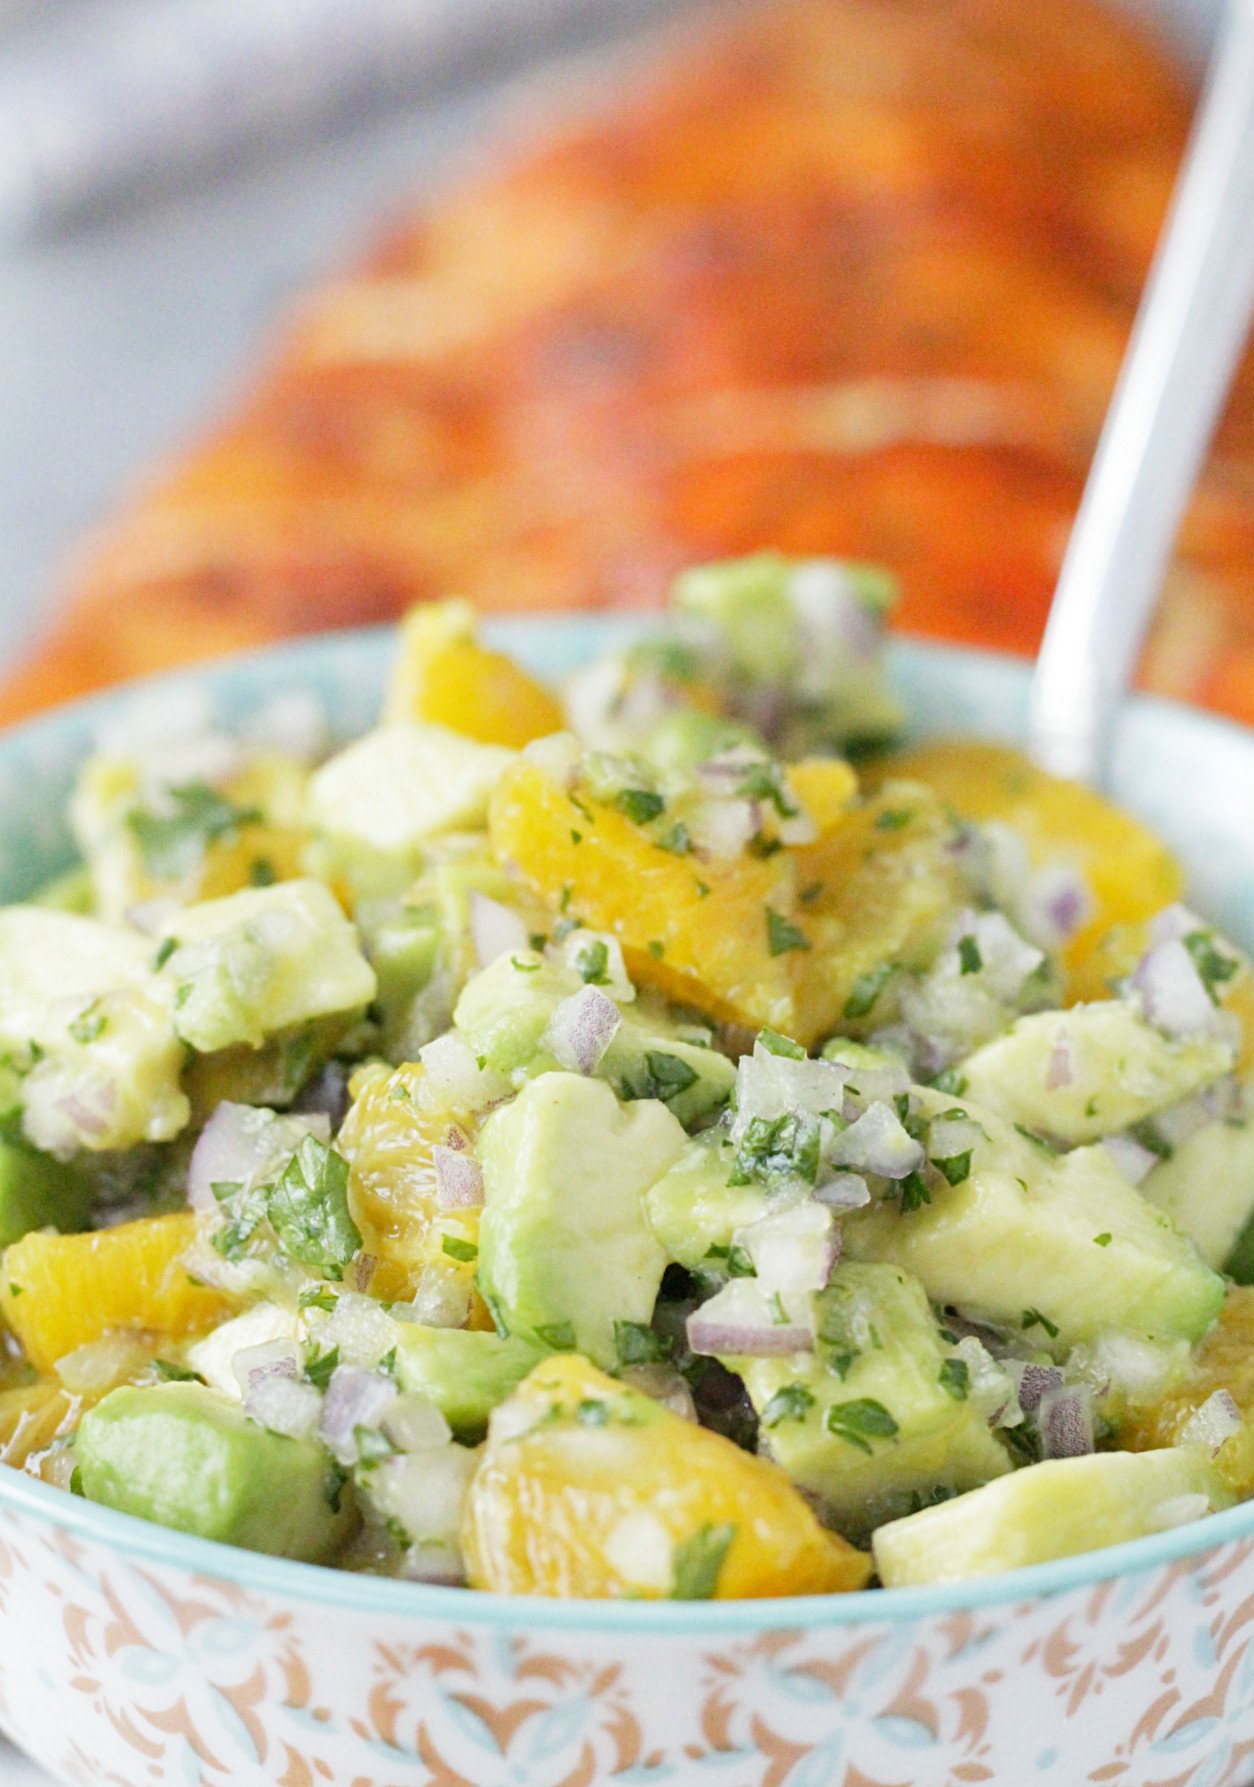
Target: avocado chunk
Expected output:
[565,1251]
[504,1011]
[89,1026]
[376,804]
[187,1457]
[260,961]
[1206,1186]
[1091,1071]
[38,1192]
[1046,1511]
[465,1373]
[880,1412]
[694,1210]
[1031,1234]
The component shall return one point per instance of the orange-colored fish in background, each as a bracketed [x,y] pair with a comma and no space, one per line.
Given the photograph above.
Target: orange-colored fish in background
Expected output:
[847,276]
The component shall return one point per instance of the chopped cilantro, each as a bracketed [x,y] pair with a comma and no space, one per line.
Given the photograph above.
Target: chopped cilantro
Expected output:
[951,1081]
[867,988]
[89,1024]
[789,1403]
[592,962]
[957,1168]
[261,872]
[318,1298]
[308,1209]
[782,935]
[677,840]
[778,1147]
[1103,1240]
[457,1249]
[333,1486]
[373,1446]
[776,1044]
[639,804]
[765,781]
[576,837]
[893,818]
[637,1344]
[1032,1318]
[656,949]
[860,1422]
[955,1379]
[915,1192]
[810,894]
[171,1373]
[592,1412]
[319,1368]
[699,1562]
[164,953]
[970,961]
[524,967]
[1213,966]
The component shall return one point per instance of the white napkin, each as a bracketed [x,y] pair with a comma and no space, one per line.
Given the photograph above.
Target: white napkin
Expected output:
[99,102]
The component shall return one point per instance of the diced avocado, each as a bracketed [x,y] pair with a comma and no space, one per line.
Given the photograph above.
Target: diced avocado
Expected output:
[1089,1072]
[688,736]
[880,1411]
[185,1456]
[38,1192]
[1058,1509]
[464,1372]
[504,1011]
[401,940]
[694,1210]
[376,804]
[747,599]
[70,892]
[564,1248]
[1207,1189]
[262,960]
[1029,1234]
[89,1027]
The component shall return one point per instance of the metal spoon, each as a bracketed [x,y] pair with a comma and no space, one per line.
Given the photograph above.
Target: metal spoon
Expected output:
[1190,329]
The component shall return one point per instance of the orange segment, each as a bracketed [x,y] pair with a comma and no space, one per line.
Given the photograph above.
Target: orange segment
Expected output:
[60,1292]
[604,1493]
[1130,872]
[1225,1361]
[446,678]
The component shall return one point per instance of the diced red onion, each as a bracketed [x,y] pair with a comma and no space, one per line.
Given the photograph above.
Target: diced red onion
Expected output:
[91,1119]
[881,1080]
[1133,1161]
[794,1249]
[495,930]
[844,1191]
[458,1179]
[1058,902]
[1064,1420]
[424,1491]
[1060,1071]
[284,1404]
[270,1358]
[1213,1424]
[1007,958]
[1033,1382]
[878,1143]
[241,1143]
[740,1320]
[1173,994]
[582,1028]
[355,1398]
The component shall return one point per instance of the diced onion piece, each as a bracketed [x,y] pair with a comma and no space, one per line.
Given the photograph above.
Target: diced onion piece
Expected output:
[1213,1424]
[361,1330]
[456,1077]
[1173,924]
[1006,958]
[843,1191]
[1060,1068]
[948,1137]
[793,1249]
[413,1423]
[770,1086]
[1173,994]
[458,1179]
[241,1144]
[354,1398]
[423,1492]
[270,1358]
[723,828]
[441,1300]
[991,1384]
[878,1143]
[743,1318]
[1058,901]
[495,930]
[1034,1382]
[285,1405]
[1133,1161]
[1064,1420]
[664,1384]
[581,1029]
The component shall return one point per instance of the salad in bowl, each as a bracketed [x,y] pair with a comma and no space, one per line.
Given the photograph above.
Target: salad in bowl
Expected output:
[648,1139]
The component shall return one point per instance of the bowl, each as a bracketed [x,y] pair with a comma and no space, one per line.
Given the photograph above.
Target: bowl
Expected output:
[131,1655]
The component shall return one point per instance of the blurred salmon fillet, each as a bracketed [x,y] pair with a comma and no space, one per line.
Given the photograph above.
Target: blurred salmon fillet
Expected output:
[846,276]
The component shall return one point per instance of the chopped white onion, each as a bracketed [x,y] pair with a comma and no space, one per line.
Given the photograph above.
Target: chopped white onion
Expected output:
[413,1423]
[794,1249]
[242,1144]
[581,1029]
[424,1492]
[1213,1424]
[948,1137]
[458,1179]
[992,1387]
[743,1319]
[440,1564]
[1173,994]
[495,930]
[285,1405]
[770,1086]
[442,1299]
[878,1143]
[456,1077]
[1173,924]
[1064,1420]
[360,1328]
[354,1398]
[843,1191]
[1133,1161]
[1006,958]
[723,828]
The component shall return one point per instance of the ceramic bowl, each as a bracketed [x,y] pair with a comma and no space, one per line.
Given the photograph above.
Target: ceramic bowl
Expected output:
[132,1655]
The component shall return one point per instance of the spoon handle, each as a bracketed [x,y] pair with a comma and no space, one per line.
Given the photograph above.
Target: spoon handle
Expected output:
[1189,332]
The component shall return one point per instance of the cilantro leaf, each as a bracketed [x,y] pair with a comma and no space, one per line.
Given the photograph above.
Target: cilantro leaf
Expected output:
[319,1368]
[789,1403]
[1032,1318]
[639,804]
[955,1379]
[637,1344]
[782,935]
[775,1044]
[558,1335]
[867,988]
[970,961]
[699,1561]
[860,1422]
[308,1210]
[593,961]
[1213,966]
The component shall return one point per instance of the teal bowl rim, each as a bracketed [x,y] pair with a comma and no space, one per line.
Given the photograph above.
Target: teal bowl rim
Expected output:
[347,1592]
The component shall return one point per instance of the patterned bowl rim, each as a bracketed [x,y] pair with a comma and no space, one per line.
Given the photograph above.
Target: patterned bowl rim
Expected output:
[132,1538]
